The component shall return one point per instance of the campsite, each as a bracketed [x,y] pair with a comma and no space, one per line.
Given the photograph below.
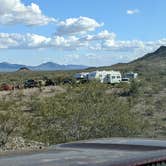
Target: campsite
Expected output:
[69,111]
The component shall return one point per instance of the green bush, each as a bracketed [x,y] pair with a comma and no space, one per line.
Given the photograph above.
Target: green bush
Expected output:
[84,113]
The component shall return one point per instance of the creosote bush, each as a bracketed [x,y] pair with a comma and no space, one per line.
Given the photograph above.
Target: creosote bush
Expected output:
[83,113]
[9,123]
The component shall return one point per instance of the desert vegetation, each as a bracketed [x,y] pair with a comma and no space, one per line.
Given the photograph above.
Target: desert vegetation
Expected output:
[82,111]
[69,112]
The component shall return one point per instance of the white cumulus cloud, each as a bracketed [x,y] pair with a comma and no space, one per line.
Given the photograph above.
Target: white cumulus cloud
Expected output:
[103,41]
[77,25]
[15,12]
[25,41]
[33,41]
[67,43]
[103,35]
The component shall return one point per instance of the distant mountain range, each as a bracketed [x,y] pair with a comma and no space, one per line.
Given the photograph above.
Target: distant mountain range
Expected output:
[151,61]
[48,66]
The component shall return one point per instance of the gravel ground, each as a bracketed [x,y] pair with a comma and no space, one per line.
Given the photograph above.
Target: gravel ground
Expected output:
[20,144]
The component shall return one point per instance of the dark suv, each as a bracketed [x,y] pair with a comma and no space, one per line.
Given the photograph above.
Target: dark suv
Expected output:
[30,84]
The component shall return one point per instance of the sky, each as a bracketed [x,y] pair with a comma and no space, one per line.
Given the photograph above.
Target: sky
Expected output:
[87,32]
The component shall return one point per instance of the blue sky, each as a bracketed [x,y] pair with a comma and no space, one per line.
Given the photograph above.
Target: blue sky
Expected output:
[89,32]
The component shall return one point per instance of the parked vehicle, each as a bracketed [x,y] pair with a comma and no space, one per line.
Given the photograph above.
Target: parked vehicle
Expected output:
[81,78]
[30,83]
[82,81]
[49,82]
[67,81]
[131,75]
[82,75]
[105,76]
[7,87]
[113,77]
[97,75]
[97,152]
[125,80]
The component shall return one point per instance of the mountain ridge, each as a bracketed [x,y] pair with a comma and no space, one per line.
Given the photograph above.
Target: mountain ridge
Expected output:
[159,53]
[154,60]
[47,66]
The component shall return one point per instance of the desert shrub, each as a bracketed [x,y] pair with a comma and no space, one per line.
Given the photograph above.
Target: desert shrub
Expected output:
[83,113]
[85,110]
[135,88]
[9,122]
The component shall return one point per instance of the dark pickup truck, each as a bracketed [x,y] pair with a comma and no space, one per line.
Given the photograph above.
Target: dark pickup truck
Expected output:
[99,152]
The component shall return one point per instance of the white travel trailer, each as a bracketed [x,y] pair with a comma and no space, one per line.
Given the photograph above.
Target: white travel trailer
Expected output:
[82,75]
[105,76]
[113,77]
[97,75]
